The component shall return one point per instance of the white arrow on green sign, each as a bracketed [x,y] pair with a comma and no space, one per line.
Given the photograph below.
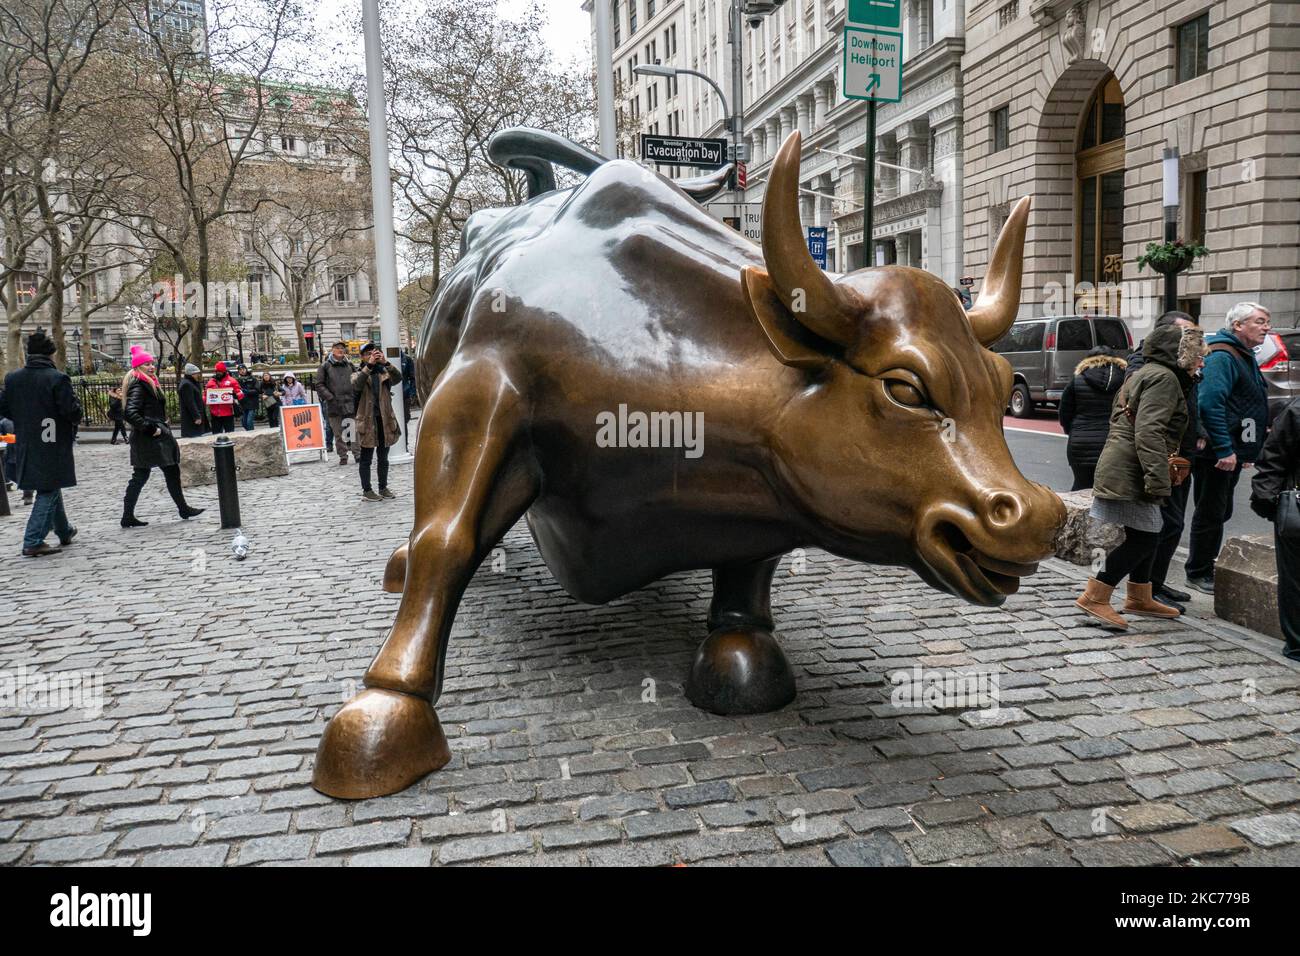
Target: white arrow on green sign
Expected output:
[873,65]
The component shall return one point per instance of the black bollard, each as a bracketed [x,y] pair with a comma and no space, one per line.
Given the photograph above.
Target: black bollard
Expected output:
[223,450]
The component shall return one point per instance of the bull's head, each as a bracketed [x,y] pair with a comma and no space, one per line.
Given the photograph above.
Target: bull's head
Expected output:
[894,442]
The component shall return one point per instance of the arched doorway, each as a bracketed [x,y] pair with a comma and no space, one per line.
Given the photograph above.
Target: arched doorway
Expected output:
[1099,200]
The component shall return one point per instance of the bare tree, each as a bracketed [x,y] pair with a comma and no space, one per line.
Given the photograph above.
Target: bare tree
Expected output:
[56,175]
[309,229]
[452,81]
[198,112]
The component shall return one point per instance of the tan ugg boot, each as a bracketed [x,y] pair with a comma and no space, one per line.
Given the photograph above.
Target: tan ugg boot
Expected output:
[1138,600]
[1095,600]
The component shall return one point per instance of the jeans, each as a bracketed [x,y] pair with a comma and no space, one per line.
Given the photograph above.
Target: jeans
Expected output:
[47,514]
[1212,493]
[248,417]
[1174,514]
[363,463]
[1132,559]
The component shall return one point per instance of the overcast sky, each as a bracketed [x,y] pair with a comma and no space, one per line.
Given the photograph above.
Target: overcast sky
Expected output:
[568,29]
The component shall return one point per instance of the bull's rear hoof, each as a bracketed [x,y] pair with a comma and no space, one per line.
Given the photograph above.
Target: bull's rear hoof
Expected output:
[395,571]
[740,670]
[380,742]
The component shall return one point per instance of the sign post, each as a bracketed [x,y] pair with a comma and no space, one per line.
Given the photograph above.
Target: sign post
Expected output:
[873,71]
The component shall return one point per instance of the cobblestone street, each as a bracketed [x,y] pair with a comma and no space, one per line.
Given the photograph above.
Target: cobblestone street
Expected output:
[571,739]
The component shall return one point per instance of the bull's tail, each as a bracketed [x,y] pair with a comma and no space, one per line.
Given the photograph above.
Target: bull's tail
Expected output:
[534,151]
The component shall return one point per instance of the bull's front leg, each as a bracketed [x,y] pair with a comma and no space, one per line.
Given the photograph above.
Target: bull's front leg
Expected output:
[473,480]
[740,668]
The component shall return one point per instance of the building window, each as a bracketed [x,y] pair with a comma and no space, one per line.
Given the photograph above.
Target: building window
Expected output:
[649,9]
[618,27]
[1198,194]
[255,283]
[347,331]
[1193,48]
[25,282]
[343,287]
[631,16]
[1001,122]
[289,144]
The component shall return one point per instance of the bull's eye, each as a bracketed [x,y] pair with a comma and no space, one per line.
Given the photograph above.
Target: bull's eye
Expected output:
[905,393]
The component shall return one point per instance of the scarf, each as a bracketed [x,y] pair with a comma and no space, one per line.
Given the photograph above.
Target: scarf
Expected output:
[145,377]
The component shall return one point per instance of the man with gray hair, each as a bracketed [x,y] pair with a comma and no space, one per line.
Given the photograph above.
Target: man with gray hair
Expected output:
[1233,402]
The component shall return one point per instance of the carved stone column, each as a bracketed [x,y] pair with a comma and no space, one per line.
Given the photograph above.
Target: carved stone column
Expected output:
[819,106]
[803,116]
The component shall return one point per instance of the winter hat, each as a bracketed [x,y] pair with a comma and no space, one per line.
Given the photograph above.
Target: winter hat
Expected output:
[191,369]
[221,368]
[38,343]
[139,356]
[368,347]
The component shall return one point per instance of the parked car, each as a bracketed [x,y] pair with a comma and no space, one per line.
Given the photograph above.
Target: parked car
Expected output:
[1044,351]
[1281,371]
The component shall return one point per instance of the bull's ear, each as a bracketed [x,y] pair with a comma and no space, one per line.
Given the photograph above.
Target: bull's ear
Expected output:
[789,341]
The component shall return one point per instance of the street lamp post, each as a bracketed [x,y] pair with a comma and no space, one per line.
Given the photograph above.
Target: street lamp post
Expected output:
[76,344]
[1171,221]
[657,69]
[235,316]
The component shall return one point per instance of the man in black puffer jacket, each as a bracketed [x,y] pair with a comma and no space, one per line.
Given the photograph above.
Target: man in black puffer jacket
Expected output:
[1085,411]
[1174,509]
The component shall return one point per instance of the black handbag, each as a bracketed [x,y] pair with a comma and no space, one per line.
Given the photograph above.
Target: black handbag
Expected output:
[1287,522]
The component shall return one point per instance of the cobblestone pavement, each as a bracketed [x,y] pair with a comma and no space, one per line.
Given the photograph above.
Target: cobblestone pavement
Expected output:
[572,742]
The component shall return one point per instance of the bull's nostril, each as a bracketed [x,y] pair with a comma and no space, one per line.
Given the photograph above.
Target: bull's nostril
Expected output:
[1004,509]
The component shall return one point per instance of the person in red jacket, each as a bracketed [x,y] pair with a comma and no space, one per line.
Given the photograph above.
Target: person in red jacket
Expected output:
[223,415]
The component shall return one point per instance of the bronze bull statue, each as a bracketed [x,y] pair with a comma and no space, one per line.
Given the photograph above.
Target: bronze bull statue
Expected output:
[859,413]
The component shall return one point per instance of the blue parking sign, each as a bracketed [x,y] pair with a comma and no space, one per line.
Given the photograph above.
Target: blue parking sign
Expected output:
[817,244]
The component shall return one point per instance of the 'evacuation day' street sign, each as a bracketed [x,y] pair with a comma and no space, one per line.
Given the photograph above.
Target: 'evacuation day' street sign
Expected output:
[875,13]
[873,65]
[683,151]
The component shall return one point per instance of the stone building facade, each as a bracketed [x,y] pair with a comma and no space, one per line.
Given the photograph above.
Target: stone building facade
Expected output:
[792,64]
[1075,104]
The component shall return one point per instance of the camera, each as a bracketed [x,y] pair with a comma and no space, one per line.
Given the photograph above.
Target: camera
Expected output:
[754,21]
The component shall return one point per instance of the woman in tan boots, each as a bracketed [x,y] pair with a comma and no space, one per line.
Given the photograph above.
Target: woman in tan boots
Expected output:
[1138,468]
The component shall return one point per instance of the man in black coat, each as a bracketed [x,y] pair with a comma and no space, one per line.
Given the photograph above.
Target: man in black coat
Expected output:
[1173,512]
[194,414]
[45,411]
[1278,470]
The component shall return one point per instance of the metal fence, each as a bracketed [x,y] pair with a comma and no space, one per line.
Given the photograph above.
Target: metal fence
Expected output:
[95,398]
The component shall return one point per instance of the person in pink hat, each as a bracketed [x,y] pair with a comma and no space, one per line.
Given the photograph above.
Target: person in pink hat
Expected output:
[223,415]
[152,443]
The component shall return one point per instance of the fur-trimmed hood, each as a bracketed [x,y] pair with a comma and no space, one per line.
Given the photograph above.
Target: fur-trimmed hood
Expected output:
[1096,361]
[1191,348]
[1105,373]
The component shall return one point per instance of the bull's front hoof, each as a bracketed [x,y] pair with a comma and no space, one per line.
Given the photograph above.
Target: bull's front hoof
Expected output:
[380,742]
[395,571]
[740,670]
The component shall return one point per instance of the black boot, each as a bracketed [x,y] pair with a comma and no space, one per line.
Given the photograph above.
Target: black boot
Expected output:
[172,475]
[133,489]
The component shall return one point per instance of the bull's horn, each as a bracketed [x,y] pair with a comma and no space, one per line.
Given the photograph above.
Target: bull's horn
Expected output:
[789,263]
[995,309]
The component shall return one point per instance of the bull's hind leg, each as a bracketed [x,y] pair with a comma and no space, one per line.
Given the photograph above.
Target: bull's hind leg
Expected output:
[740,668]
[473,480]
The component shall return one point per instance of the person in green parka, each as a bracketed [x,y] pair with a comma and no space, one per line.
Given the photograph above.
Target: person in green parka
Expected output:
[1133,473]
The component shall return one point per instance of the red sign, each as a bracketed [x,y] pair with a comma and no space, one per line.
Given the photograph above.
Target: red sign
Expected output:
[741,175]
